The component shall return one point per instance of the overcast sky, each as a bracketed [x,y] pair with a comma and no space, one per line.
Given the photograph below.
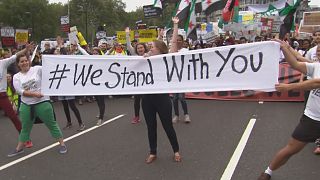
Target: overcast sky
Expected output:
[132,4]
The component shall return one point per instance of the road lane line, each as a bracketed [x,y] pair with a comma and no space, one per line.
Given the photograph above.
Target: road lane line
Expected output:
[228,172]
[56,144]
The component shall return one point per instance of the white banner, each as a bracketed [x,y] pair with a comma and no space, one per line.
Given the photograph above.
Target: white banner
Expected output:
[251,66]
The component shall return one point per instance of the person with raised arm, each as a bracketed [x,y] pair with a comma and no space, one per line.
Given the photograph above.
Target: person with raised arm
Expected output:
[161,104]
[308,129]
[177,46]
[139,50]
[5,103]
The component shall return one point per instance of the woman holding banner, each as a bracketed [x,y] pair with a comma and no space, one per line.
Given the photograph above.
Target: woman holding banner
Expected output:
[5,103]
[161,104]
[308,128]
[177,46]
[139,50]
[99,98]
[69,101]
[28,84]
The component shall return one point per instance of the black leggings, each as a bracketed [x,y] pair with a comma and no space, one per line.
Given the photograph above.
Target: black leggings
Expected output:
[71,103]
[101,105]
[137,100]
[161,104]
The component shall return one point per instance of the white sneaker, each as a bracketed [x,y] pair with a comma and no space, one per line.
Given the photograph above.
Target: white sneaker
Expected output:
[99,122]
[175,119]
[187,118]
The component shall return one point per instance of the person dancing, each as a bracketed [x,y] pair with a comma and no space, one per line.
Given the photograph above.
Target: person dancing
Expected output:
[33,104]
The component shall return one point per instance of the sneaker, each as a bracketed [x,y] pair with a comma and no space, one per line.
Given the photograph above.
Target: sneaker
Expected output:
[80,102]
[68,126]
[99,122]
[135,120]
[187,118]
[175,119]
[81,127]
[28,144]
[15,153]
[264,176]
[89,100]
[63,149]
[317,151]
[110,97]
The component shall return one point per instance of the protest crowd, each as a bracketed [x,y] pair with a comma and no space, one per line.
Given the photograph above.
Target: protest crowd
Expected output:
[23,103]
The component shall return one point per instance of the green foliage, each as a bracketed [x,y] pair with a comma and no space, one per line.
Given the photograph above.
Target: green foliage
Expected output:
[87,15]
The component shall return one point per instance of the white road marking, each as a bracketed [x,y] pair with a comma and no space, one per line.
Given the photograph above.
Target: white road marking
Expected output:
[56,144]
[228,172]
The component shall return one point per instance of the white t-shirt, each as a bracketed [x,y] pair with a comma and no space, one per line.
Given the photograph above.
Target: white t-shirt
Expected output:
[312,109]
[30,81]
[183,50]
[312,54]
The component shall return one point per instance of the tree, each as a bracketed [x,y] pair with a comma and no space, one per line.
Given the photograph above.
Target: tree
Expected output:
[37,15]
[44,18]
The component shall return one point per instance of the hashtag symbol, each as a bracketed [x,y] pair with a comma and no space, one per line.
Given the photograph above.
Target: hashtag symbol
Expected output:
[59,78]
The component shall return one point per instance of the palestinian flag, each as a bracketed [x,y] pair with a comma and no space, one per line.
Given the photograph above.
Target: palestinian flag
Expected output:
[190,26]
[288,16]
[230,13]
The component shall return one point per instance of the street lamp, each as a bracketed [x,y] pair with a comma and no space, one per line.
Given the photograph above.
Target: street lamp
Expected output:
[83,8]
[32,32]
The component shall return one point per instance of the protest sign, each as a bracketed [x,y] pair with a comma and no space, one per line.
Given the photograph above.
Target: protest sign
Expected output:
[251,66]
[210,37]
[22,36]
[7,32]
[7,36]
[311,18]
[121,36]
[64,21]
[147,35]
[150,11]
[73,38]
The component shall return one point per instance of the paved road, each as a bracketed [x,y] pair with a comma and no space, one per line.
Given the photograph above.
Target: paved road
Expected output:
[116,151]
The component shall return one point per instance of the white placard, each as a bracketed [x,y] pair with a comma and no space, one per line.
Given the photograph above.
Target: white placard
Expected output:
[252,66]
[64,20]
[7,32]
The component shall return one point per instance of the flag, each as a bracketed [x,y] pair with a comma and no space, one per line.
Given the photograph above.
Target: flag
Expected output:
[288,16]
[206,3]
[235,14]
[198,7]
[157,4]
[230,12]
[190,26]
[210,6]
[182,9]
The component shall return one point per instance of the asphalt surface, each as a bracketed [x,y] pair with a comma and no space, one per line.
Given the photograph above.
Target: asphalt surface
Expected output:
[116,150]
